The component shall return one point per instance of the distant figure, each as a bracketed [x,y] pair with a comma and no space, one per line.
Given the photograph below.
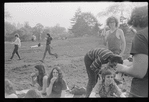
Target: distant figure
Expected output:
[17,44]
[114,38]
[48,48]
[33,38]
[9,90]
[38,45]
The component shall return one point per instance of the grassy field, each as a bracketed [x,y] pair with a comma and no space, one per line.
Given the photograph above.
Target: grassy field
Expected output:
[70,58]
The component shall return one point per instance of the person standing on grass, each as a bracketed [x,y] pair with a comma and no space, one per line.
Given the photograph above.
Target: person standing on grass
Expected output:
[114,38]
[139,50]
[17,44]
[48,47]
[94,60]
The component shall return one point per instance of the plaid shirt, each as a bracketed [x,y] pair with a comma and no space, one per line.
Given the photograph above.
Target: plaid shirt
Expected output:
[99,57]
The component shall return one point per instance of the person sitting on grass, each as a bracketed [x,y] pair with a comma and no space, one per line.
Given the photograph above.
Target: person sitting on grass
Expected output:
[106,86]
[9,90]
[55,85]
[38,77]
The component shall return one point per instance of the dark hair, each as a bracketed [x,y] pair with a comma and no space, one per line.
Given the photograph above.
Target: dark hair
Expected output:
[112,18]
[16,35]
[60,75]
[48,34]
[105,72]
[115,58]
[41,70]
[139,17]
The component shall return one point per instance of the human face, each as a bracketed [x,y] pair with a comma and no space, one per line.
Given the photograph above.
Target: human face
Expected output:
[108,79]
[55,73]
[36,71]
[112,24]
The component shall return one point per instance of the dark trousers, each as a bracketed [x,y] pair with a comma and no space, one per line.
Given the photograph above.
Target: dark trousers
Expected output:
[49,51]
[92,77]
[16,47]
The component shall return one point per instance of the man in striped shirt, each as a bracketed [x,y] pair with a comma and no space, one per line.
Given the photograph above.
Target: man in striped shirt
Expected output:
[17,44]
[94,59]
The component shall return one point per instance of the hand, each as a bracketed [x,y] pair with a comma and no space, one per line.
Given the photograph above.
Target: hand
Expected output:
[99,81]
[119,67]
[53,80]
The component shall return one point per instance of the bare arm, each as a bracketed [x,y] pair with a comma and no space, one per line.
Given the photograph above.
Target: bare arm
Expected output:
[122,37]
[44,84]
[63,93]
[139,67]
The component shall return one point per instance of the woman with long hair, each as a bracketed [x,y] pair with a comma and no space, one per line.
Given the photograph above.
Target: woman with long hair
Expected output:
[38,77]
[56,84]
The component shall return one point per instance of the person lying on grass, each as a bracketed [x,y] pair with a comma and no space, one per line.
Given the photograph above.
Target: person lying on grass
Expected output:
[54,85]
[106,86]
[38,45]
[9,90]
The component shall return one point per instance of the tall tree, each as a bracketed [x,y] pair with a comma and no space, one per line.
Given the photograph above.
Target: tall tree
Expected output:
[84,23]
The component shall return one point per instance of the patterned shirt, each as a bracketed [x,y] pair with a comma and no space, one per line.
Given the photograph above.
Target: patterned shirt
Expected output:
[110,93]
[99,57]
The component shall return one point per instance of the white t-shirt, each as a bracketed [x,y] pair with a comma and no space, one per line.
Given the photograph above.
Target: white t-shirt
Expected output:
[17,42]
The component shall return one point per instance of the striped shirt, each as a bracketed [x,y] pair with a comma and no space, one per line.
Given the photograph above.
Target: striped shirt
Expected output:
[99,57]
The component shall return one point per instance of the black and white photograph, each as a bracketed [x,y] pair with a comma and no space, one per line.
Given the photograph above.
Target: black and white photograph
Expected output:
[76,49]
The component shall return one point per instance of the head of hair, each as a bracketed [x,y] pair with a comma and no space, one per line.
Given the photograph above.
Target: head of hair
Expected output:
[139,17]
[105,72]
[32,93]
[115,58]
[48,34]
[16,35]
[9,89]
[110,19]
[41,71]
[60,75]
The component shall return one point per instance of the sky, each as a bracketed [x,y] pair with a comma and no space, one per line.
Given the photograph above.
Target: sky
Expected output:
[51,13]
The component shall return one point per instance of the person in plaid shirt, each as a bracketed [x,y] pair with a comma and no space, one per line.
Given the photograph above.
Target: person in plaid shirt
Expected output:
[94,59]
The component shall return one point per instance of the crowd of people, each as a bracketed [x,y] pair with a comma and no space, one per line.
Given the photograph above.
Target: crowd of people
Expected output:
[102,65]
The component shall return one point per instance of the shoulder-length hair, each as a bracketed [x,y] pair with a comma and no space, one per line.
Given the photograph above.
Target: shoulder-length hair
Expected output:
[41,71]
[60,75]
[112,18]
[139,17]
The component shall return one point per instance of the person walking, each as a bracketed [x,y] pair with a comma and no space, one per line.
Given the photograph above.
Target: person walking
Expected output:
[48,48]
[139,50]
[17,44]
[114,38]
[94,59]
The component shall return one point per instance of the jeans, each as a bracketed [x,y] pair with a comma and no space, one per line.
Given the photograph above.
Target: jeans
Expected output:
[16,47]
[92,77]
